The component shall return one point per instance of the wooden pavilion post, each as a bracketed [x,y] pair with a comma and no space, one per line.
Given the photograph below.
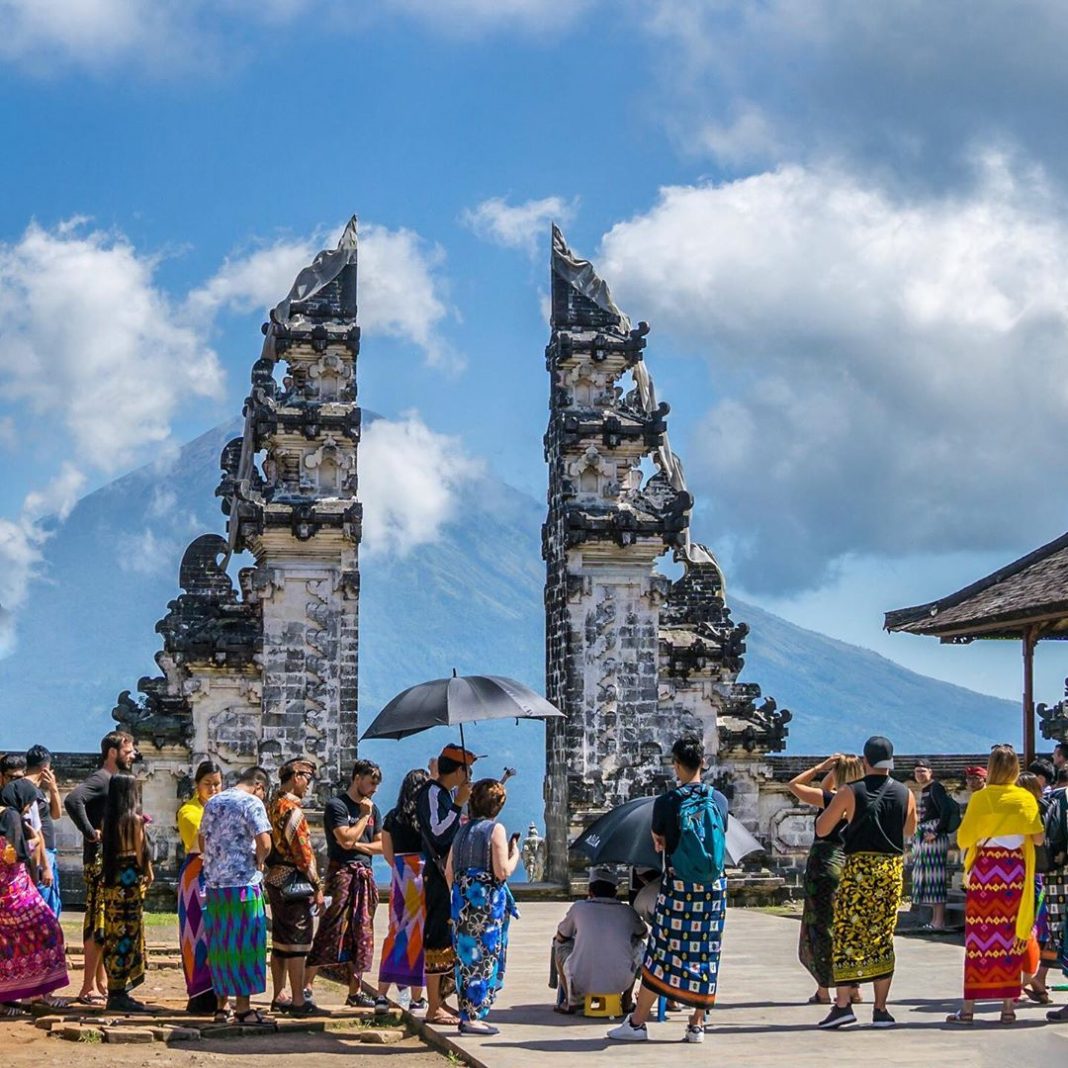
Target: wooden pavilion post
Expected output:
[1030,638]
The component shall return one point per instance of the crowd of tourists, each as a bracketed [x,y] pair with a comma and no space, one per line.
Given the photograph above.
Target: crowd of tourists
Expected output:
[250,849]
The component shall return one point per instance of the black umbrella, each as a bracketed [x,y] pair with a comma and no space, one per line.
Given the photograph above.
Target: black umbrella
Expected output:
[456,701]
[623,835]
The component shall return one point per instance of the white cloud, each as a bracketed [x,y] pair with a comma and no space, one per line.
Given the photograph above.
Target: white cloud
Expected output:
[58,497]
[888,371]
[523,226]
[402,293]
[91,341]
[409,477]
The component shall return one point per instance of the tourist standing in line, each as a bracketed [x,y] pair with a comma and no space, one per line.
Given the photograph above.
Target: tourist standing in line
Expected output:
[1033,986]
[930,844]
[292,858]
[438,807]
[235,839]
[481,859]
[402,951]
[32,957]
[682,956]
[192,937]
[999,833]
[881,814]
[974,779]
[344,945]
[49,809]
[125,875]
[823,870]
[85,805]
[12,766]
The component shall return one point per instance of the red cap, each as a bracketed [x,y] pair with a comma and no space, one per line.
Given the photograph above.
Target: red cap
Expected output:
[976,772]
[461,756]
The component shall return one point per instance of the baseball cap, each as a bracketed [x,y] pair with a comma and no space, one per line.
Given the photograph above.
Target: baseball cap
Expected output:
[458,754]
[879,752]
[604,875]
[976,771]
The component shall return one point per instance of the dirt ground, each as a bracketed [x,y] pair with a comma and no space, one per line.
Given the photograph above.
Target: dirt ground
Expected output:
[23,1044]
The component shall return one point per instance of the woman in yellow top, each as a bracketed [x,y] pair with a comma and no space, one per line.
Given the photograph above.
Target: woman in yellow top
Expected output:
[191,933]
[999,832]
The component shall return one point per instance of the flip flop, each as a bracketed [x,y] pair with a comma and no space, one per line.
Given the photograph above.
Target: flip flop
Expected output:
[965,1019]
[442,1019]
[253,1018]
[90,999]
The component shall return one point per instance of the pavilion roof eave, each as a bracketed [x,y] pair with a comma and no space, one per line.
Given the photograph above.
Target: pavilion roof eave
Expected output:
[1035,582]
[1052,626]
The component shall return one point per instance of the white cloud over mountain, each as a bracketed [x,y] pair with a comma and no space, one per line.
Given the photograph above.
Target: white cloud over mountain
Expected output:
[409,477]
[887,372]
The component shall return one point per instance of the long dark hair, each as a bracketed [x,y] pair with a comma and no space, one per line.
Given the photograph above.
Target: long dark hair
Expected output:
[405,807]
[122,819]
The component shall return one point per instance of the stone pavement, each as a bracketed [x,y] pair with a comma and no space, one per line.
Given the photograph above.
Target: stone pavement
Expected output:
[761,1015]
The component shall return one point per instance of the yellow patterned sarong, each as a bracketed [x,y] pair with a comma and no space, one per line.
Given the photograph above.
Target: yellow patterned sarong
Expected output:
[865,915]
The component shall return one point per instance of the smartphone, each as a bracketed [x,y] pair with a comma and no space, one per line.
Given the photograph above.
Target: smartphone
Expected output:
[515,838]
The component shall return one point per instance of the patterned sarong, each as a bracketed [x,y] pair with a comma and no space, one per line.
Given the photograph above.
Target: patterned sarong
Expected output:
[439,956]
[51,893]
[1055,884]
[402,951]
[682,955]
[192,936]
[124,928]
[929,866]
[236,926]
[482,908]
[32,959]
[344,945]
[865,915]
[822,872]
[992,957]
[93,920]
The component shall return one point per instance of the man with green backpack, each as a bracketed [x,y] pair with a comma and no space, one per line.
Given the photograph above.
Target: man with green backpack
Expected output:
[682,956]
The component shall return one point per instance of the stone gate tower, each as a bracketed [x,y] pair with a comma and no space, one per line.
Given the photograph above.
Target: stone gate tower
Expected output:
[271,672]
[632,658]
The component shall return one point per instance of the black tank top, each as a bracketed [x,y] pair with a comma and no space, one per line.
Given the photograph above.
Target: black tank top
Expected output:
[878,823]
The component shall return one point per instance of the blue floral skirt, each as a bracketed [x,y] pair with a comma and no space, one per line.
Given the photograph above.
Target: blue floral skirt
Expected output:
[482,907]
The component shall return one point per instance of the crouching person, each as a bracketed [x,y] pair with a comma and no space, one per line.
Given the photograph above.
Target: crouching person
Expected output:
[598,946]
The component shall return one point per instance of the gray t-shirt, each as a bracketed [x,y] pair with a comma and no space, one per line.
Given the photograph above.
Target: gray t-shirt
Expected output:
[607,934]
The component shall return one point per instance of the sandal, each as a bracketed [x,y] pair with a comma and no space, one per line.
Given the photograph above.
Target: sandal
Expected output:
[90,999]
[222,1016]
[1007,1017]
[817,1000]
[961,1017]
[252,1018]
[442,1019]
[13,1011]
[1040,996]
[280,1004]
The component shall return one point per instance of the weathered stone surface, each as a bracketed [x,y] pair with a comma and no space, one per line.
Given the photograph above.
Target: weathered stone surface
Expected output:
[383,1036]
[128,1036]
[79,1033]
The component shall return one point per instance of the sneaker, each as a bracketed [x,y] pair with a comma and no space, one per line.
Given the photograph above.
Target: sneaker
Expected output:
[838,1018]
[381,1006]
[360,1001]
[694,1033]
[881,1018]
[627,1032]
[309,1008]
[418,1007]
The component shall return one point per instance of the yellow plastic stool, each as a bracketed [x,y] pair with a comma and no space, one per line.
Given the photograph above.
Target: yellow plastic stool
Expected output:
[603,1006]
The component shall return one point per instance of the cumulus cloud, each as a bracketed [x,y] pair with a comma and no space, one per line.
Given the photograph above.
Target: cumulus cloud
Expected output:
[89,339]
[521,226]
[402,291]
[887,370]
[409,479]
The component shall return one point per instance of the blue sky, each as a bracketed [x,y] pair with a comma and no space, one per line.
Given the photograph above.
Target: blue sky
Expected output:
[846,224]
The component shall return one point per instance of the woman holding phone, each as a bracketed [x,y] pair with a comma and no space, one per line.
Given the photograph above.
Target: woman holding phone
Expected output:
[480,860]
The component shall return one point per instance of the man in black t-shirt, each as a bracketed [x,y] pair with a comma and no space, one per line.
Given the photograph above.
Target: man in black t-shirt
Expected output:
[85,806]
[49,809]
[344,943]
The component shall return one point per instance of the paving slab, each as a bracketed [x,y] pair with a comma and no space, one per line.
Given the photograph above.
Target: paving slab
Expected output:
[761,1015]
